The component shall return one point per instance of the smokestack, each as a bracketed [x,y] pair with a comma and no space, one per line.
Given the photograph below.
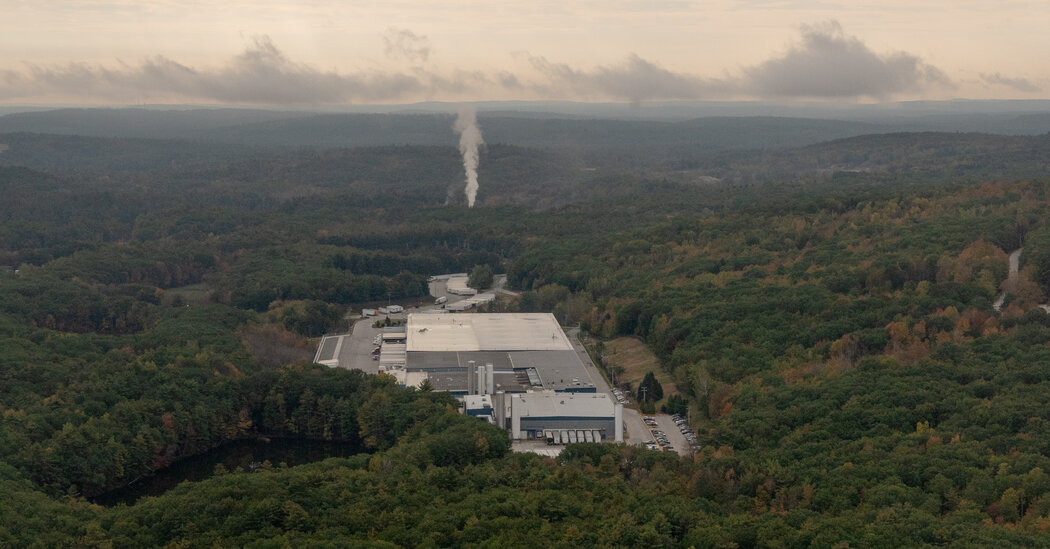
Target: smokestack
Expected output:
[469,138]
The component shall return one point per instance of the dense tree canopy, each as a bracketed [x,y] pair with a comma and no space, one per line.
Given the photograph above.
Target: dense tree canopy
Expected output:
[826,315]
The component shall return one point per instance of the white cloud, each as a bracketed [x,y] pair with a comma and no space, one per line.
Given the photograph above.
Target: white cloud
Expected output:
[825,63]
[829,64]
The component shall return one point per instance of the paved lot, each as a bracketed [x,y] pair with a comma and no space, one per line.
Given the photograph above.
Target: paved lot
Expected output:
[673,433]
[637,432]
[356,352]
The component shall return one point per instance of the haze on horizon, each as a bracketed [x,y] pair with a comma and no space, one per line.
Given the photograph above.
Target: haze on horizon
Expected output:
[112,52]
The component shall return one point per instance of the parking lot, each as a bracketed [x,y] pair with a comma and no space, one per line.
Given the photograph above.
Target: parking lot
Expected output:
[670,433]
[356,352]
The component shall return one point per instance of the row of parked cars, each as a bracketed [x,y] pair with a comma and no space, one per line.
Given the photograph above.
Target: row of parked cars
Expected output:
[660,441]
[683,426]
[620,396]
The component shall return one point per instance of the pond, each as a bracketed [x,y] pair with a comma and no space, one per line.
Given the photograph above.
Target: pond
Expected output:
[247,454]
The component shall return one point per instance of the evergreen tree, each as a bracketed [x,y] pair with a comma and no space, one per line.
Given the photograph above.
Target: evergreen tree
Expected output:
[650,390]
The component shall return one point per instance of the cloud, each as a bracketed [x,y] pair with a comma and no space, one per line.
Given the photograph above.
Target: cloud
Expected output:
[1019,84]
[825,63]
[829,64]
[406,44]
[260,75]
[635,79]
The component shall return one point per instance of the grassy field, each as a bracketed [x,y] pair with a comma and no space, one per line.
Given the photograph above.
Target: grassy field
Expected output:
[636,359]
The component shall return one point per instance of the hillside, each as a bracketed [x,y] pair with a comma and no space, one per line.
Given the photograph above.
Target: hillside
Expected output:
[826,312]
[284,129]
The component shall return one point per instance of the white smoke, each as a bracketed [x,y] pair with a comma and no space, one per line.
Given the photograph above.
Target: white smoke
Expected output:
[469,138]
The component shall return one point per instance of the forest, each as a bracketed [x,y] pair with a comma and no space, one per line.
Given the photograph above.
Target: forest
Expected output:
[828,311]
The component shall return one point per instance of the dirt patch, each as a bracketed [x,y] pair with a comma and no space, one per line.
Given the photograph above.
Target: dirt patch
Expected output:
[635,359]
[274,346]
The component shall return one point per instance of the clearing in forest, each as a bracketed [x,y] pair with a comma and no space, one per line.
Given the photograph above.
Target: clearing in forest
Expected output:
[194,294]
[635,358]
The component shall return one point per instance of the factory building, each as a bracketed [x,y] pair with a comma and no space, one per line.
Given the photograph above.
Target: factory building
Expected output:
[540,415]
[517,370]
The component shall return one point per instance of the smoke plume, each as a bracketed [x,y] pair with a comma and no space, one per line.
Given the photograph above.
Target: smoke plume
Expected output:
[469,138]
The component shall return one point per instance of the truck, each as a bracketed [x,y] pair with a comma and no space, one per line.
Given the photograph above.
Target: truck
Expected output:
[441,300]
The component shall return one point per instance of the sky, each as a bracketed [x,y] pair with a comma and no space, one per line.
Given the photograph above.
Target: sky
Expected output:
[323,52]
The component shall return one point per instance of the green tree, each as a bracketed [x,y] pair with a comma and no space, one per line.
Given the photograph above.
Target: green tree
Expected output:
[675,405]
[480,277]
[650,390]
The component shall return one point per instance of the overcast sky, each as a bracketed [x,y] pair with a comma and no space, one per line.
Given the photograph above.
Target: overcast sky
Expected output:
[321,52]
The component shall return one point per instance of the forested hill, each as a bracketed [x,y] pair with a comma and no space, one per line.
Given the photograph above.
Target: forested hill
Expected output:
[324,131]
[974,156]
[832,331]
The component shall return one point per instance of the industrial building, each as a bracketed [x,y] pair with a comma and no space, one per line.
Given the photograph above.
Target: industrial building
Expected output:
[517,370]
[456,284]
[471,302]
[527,352]
[547,414]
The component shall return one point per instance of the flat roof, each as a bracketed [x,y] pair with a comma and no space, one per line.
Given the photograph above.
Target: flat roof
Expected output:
[551,404]
[409,379]
[486,332]
[457,381]
[392,353]
[326,351]
[477,402]
[558,370]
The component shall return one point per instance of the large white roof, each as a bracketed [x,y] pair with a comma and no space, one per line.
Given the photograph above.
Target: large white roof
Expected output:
[486,332]
[552,404]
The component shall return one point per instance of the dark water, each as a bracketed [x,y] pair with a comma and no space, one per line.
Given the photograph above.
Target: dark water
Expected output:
[246,454]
